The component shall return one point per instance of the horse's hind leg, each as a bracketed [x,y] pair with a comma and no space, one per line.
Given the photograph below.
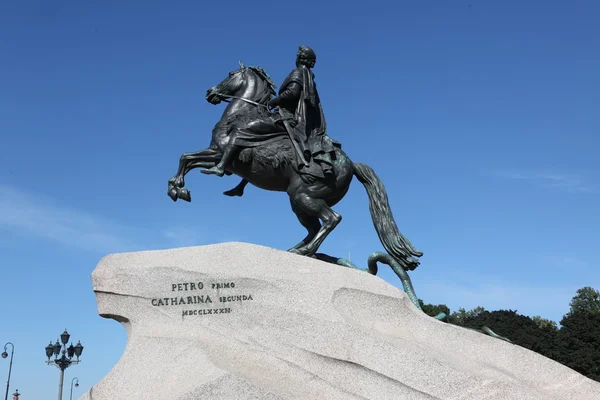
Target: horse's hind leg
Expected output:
[311,223]
[319,209]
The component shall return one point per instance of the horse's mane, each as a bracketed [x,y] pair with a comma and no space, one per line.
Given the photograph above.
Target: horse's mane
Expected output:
[265,76]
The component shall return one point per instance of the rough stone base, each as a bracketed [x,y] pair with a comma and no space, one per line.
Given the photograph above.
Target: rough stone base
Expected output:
[302,329]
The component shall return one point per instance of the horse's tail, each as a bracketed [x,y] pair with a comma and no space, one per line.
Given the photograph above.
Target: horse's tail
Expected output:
[393,241]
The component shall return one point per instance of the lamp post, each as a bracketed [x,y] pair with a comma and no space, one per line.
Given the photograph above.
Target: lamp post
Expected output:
[4,355]
[76,385]
[66,360]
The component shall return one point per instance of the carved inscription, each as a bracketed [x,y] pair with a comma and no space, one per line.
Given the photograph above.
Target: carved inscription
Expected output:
[205,311]
[224,299]
[207,299]
[187,286]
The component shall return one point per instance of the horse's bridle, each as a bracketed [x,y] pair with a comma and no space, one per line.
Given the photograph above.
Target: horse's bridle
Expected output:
[224,98]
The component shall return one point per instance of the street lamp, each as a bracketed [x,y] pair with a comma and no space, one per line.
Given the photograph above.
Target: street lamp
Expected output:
[4,355]
[76,385]
[66,360]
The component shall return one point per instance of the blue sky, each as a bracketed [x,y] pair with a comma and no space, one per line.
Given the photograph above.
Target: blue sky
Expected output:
[481,118]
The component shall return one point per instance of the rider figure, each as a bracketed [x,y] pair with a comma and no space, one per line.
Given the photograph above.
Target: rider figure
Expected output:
[301,114]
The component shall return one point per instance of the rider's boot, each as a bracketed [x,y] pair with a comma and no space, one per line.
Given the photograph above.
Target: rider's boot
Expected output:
[219,169]
[238,190]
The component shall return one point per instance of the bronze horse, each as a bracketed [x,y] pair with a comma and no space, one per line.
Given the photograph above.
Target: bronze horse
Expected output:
[270,165]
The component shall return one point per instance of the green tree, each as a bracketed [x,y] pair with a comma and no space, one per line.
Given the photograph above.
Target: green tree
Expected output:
[520,329]
[576,344]
[579,339]
[462,317]
[433,310]
[579,335]
[544,323]
[587,300]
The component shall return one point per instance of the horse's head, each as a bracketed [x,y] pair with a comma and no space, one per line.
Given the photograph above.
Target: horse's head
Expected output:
[252,83]
[230,86]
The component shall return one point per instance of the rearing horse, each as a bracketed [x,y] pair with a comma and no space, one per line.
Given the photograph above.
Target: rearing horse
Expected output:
[270,165]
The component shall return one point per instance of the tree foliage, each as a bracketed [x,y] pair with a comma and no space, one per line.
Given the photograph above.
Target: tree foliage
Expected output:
[576,344]
[587,300]
[462,317]
[579,337]
[433,310]
[544,323]
[520,329]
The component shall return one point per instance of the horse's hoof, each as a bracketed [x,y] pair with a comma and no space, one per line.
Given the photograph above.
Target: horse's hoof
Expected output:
[300,252]
[184,194]
[173,194]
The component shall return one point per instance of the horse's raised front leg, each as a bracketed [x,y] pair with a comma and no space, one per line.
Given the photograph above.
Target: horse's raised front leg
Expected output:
[188,161]
[319,209]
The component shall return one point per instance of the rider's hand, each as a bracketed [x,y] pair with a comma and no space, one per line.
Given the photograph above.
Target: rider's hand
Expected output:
[272,103]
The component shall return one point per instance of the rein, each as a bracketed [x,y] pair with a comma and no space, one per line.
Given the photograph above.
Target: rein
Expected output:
[224,98]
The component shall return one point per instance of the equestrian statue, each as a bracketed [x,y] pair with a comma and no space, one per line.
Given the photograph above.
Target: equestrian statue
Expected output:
[279,142]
